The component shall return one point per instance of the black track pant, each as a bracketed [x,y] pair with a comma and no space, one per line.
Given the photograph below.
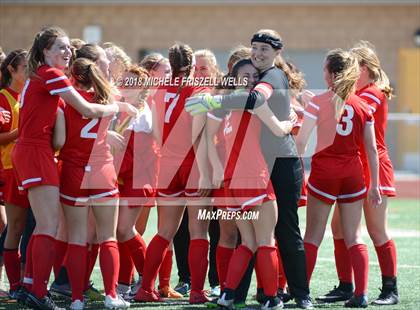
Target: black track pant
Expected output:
[286,178]
[181,244]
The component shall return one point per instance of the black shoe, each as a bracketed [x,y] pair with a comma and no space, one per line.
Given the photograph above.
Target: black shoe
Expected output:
[360,301]
[21,295]
[227,298]
[389,292]
[61,290]
[259,297]
[284,297]
[342,292]
[271,303]
[304,302]
[45,303]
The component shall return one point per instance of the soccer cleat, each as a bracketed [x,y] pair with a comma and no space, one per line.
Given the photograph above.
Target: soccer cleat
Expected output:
[239,305]
[169,292]
[198,298]
[123,289]
[13,294]
[227,299]
[45,303]
[21,295]
[284,297]
[271,303]
[387,297]
[145,296]
[116,303]
[214,291]
[342,292]
[360,301]
[183,288]
[304,302]
[77,305]
[61,290]
[93,294]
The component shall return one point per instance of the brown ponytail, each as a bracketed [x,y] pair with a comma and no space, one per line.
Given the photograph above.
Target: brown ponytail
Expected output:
[14,59]
[43,40]
[294,77]
[181,59]
[366,55]
[344,68]
[86,73]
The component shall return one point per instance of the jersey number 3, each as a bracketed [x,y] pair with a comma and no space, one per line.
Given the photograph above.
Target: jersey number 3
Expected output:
[345,126]
[85,132]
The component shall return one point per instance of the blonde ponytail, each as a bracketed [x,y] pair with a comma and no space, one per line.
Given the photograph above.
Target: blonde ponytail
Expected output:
[344,68]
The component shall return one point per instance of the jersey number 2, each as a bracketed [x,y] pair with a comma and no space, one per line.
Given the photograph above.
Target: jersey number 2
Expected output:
[345,130]
[84,133]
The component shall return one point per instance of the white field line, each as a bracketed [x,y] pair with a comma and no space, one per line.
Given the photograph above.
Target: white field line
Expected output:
[372,263]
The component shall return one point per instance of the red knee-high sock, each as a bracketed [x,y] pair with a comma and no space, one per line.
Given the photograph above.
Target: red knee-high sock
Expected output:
[137,249]
[223,256]
[237,266]
[360,262]
[76,264]
[198,262]
[311,253]
[387,257]
[60,253]
[43,251]
[11,260]
[268,268]
[126,271]
[91,261]
[154,256]
[27,276]
[109,260]
[165,269]
[342,261]
[282,281]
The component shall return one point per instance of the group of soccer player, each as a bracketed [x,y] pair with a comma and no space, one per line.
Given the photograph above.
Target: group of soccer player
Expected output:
[89,151]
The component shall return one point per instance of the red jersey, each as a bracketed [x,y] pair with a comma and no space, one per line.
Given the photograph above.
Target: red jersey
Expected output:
[377,102]
[338,144]
[85,138]
[39,102]
[175,123]
[245,160]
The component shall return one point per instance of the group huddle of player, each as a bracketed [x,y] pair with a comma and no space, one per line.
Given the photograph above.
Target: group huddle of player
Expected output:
[89,151]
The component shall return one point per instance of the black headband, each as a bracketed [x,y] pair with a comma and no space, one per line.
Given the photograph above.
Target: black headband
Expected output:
[265,38]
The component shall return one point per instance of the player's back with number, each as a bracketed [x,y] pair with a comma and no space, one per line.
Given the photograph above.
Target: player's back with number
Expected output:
[85,138]
[175,124]
[338,142]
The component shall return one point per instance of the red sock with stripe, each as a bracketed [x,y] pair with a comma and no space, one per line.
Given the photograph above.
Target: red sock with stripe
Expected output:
[311,253]
[237,266]
[28,273]
[360,262]
[43,253]
[154,256]
[76,264]
[91,261]
[60,253]
[267,261]
[126,272]
[165,269]
[109,260]
[198,262]
[137,249]
[11,259]
[223,256]
[282,281]
[342,261]
[387,257]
